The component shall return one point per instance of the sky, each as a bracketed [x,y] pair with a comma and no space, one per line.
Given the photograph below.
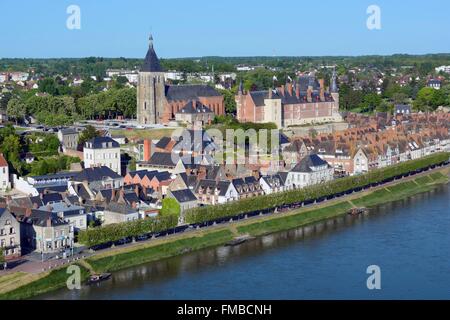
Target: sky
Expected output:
[194,28]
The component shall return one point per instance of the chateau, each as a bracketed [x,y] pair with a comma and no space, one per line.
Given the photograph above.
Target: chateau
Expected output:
[158,102]
[296,103]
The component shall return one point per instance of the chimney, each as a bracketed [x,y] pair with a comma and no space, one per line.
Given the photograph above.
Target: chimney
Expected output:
[322,89]
[270,93]
[27,212]
[309,94]
[290,88]
[297,90]
[49,222]
[147,149]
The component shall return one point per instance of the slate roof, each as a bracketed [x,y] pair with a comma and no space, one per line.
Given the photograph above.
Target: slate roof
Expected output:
[194,107]
[51,197]
[67,131]
[98,143]
[162,159]
[307,162]
[151,61]
[185,195]
[273,180]
[96,174]
[40,218]
[120,208]
[190,92]
[163,142]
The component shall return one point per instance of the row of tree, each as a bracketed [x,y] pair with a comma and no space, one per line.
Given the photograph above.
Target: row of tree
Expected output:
[63,110]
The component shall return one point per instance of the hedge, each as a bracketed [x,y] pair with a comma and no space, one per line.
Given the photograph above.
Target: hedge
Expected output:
[118,231]
[334,187]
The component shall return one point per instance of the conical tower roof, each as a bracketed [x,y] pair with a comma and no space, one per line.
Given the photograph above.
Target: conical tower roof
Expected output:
[151,61]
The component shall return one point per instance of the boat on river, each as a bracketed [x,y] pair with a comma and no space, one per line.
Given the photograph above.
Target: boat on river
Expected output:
[357,211]
[96,278]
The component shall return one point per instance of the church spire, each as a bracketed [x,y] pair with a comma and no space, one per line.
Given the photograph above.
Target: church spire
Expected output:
[150,41]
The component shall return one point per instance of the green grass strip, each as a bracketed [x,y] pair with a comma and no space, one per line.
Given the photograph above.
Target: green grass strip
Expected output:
[294,221]
[165,250]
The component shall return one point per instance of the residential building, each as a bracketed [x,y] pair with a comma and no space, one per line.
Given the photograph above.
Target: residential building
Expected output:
[185,198]
[272,184]
[309,171]
[434,83]
[102,151]
[212,192]
[45,232]
[9,235]
[194,112]
[68,137]
[93,179]
[115,212]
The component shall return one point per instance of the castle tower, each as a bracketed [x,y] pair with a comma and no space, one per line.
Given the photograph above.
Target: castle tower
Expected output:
[150,89]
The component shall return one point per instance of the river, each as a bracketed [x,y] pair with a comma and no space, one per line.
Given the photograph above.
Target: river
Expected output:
[409,240]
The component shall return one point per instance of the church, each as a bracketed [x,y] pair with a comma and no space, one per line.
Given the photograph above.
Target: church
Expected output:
[158,102]
[302,102]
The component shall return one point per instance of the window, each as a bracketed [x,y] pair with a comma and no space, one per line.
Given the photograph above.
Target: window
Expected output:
[7,222]
[11,242]
[12,231]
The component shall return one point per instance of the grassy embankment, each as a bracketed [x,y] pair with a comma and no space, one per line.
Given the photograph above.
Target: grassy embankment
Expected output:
[45,282]
[120,258]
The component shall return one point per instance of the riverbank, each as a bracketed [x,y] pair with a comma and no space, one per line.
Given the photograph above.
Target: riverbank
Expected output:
[158,249]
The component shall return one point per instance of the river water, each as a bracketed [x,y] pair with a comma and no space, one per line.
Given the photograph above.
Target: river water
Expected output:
[409,240]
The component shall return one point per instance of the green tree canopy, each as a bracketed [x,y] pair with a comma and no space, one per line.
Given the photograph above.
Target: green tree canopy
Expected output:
[170,206]
[16,109]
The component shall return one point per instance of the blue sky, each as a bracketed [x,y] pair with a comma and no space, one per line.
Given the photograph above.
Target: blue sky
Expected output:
[187,28]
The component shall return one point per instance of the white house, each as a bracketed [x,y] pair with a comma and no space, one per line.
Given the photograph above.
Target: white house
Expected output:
[309,171]
[4,174]
[102,151]
[271,184]
[360,162]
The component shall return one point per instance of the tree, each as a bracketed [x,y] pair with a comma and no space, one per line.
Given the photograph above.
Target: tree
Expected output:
[229,101]
[170,206]
[2,256]
[399,98]
[424,100]
[16,109]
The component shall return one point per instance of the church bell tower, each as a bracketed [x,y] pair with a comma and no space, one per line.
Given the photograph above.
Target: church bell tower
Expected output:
[151,89]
